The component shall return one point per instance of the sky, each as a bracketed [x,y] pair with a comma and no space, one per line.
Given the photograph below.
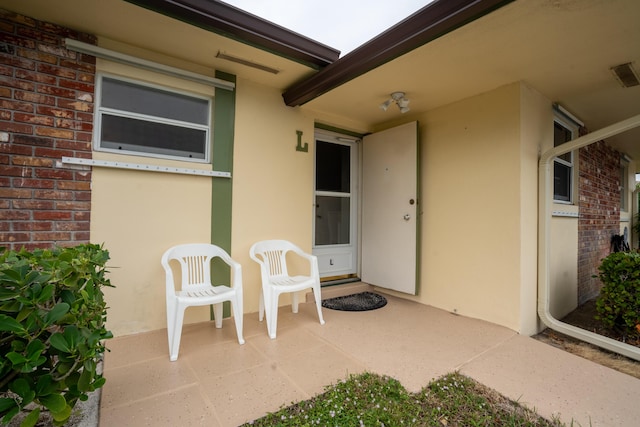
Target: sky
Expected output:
[341,24]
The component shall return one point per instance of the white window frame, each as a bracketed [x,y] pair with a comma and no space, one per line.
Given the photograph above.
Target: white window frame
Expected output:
[100,110]
[573,128]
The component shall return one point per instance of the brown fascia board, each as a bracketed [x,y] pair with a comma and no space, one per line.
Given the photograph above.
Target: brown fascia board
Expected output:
[427,24]
[234,23]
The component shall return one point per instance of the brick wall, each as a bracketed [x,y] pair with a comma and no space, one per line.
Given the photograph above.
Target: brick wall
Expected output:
[46,112]
[599,170]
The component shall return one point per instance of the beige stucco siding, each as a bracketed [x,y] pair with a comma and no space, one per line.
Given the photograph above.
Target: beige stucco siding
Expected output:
[479,195]
[273,183]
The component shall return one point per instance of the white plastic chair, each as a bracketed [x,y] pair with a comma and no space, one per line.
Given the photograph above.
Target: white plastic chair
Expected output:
[197,289]
[271,255]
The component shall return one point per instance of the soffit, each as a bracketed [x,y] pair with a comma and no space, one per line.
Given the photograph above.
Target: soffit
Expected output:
[181,44]
[564,49]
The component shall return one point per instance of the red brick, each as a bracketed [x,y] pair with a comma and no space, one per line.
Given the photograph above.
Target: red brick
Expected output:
[33,204]
[75,105]
[38,35]
[54,133]
[15,149]
[6,71]
[72,226]
[53,236]
[66,124]
[17,62]
[5,115]
[33,140]
[84,117]
[83,196]
[37,56]
[5,225]
[51,215]
[56,50]
[88,66]
[54,174]
[36,98]
[15,193]
[16,171]
[15,215]
[75,85]
[56,71]
[17,84]
[33,183]
[83,175]
[52,152]
[54,112]
[16,127]
[17,18]
[80,236]
[7,27]
[33,119]
[73,206]
[16,106]
[74,185]
[33,226]
[82,216]
[84,136]
[57,91]
[14,237]
[87,78]
[32,161]
[5,92]
[73,145]
[17,41]
[35,77]
[52,195]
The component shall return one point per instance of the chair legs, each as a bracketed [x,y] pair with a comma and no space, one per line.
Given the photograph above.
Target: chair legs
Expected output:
[270,308]
[317,297]
[236,306]
[174,331]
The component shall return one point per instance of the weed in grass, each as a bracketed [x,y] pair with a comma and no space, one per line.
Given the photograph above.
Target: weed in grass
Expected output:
[372,400]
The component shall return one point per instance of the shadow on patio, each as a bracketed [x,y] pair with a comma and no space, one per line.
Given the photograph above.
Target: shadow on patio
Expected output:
[216,382]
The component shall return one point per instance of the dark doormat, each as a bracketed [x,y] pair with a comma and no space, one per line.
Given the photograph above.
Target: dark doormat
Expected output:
[362,301]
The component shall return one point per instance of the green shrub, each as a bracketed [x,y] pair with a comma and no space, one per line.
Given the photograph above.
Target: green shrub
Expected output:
[618,305]
[52,327]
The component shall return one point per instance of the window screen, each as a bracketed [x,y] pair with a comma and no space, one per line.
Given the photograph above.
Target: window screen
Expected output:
[139,119]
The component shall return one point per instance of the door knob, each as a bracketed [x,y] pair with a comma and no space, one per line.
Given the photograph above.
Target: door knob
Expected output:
[407,217]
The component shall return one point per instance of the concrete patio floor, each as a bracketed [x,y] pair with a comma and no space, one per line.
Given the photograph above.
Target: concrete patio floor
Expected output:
[217,382]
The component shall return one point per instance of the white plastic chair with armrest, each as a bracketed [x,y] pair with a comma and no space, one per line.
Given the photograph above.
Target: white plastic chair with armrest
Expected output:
[197,289]
[271,255]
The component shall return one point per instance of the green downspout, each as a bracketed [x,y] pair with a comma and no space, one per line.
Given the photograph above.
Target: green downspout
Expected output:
[221,188]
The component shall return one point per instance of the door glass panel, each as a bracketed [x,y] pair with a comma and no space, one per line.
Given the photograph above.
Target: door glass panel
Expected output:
[332,220]
[335,167]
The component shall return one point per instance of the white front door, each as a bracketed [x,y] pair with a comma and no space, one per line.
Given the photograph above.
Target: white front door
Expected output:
[390,208]
[335,238]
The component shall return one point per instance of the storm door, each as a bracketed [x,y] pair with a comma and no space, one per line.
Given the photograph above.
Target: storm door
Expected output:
[335,239]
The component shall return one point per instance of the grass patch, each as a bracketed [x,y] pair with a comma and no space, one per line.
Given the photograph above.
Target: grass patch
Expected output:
[372,400]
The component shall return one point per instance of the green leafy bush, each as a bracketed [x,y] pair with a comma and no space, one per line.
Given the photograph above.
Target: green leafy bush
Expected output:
[618,305]
[52,327]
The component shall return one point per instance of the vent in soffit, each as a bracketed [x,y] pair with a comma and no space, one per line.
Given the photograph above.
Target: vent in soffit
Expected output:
[626,75]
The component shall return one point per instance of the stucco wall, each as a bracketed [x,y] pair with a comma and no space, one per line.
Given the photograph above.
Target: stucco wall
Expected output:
[478,187]
[273,183]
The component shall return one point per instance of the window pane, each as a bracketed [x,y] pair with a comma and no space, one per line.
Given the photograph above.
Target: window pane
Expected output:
[149,101]
[332,220]
[124,133]
[561,182]
[334,167]
[560,136]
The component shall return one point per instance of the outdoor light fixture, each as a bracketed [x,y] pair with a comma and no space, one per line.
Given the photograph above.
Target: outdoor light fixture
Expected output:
[399,99]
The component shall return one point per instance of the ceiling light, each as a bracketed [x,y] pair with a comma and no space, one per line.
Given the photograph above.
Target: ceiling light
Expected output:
[399,99]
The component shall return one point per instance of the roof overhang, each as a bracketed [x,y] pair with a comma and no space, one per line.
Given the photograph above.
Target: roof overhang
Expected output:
[427,24]
[226,20]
